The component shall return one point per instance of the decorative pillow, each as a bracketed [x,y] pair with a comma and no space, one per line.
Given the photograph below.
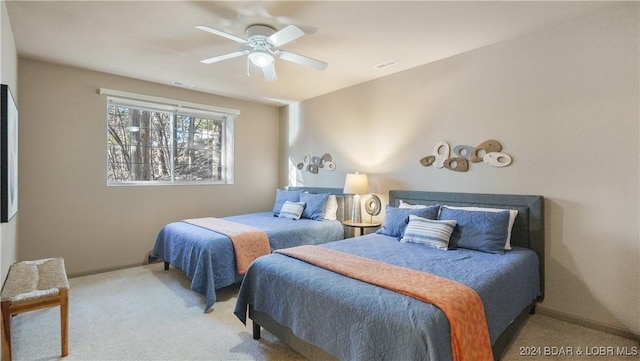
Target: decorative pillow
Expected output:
[283,196]
[478,230]
[404,204]
[291,210]
[432,233]
[315,204]
[331,209]
[513,213]
[396,219]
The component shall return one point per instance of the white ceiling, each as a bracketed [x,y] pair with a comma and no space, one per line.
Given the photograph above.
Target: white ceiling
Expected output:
[157,41]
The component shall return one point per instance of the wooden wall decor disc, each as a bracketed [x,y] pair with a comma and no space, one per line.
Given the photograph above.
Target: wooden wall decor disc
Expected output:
[312,168]
[428,160]
[483,148]
[457,164]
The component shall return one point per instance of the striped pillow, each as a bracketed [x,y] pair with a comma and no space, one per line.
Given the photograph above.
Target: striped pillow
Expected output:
[432,233]
[291,210]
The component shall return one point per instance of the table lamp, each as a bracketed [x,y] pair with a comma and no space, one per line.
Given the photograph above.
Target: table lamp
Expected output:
[356,184]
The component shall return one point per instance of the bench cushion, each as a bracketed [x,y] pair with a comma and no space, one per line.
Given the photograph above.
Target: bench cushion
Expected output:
[32,280]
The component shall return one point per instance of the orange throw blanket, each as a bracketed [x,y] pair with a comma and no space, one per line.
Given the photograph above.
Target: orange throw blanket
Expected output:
[463,307]
[249,243]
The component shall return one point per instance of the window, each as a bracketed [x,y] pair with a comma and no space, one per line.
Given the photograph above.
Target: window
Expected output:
[156,143]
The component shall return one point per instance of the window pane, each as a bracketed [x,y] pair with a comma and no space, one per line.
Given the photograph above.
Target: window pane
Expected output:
[138,144]
[198,144]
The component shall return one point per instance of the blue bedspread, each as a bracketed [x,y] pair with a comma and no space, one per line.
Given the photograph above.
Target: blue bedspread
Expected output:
[354,320]
[208,258]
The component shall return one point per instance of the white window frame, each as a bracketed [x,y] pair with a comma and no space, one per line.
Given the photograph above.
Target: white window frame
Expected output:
[176,107]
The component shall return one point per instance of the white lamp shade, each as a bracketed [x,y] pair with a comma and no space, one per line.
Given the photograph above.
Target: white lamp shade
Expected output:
[356,183]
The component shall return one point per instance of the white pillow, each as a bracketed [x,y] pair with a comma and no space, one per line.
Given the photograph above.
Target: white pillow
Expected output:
[513,213]
[331,208]
[406,205]
[291,210]
[432,233]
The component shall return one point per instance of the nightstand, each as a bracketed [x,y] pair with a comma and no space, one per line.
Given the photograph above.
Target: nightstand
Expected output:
[362,225]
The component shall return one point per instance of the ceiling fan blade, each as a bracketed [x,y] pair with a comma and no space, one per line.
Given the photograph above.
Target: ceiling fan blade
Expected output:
[218,58]
[222,33]
[285,35]
[270,72]
[301,59]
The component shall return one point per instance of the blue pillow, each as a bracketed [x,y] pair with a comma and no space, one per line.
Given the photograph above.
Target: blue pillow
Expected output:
[478,230]
[396,219]
[283,196]
[315,205]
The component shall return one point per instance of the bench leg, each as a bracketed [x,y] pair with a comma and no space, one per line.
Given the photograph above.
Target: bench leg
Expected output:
[6,330]
[64,321]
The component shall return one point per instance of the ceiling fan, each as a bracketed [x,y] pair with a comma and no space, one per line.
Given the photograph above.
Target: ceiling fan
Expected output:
[264,42]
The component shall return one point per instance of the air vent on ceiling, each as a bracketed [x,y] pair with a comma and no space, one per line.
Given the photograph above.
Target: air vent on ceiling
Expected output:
[387,64]
[180,84]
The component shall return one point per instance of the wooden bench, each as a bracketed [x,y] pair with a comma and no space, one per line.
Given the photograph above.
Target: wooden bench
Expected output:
[32,285]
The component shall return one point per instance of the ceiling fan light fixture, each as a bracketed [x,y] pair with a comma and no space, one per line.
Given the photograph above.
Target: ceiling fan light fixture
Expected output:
[261,58]
[264,42]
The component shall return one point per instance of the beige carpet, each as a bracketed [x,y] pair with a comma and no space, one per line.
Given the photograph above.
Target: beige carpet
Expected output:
[146,313]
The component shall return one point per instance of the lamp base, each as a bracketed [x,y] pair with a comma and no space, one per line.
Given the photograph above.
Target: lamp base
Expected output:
[355,210]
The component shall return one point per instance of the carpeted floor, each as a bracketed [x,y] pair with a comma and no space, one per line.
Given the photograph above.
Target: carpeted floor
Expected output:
[146,313]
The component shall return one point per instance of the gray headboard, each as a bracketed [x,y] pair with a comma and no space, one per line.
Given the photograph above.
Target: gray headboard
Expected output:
[338,192]
[528,228]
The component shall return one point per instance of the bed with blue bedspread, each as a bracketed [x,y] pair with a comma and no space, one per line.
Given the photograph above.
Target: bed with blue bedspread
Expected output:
[324,315]
[208,257]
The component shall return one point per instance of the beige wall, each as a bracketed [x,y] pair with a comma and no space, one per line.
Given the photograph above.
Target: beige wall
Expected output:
[9,76]
[564,103]
[67,210]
